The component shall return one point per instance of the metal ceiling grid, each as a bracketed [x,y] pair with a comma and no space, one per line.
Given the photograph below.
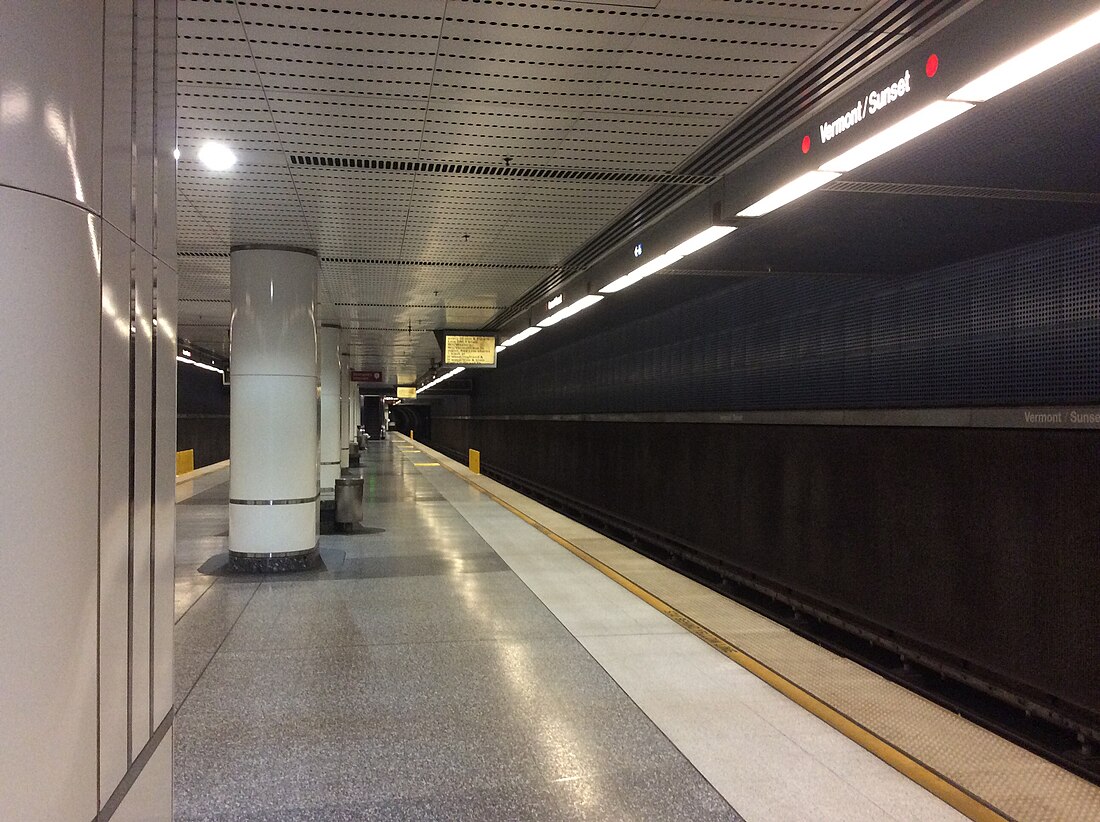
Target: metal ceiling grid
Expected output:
[402,284]
[523,127]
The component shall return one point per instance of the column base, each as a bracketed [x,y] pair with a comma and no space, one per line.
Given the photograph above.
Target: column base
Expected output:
[275,563]
[327,520]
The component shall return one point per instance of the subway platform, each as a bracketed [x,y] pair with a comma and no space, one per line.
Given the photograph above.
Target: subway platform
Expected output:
[466,653]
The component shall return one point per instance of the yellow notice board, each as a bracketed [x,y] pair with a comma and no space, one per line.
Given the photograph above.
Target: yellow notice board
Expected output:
[406,392]
[461,349]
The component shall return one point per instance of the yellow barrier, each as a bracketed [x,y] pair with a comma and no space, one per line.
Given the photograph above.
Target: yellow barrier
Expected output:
[475,461]
[185,461]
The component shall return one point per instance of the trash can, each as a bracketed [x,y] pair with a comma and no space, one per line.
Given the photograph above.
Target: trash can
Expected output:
[349,502]
[353,453]
[363,438]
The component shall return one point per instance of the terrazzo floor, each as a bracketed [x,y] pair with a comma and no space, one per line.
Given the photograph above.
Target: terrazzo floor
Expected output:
[414,677]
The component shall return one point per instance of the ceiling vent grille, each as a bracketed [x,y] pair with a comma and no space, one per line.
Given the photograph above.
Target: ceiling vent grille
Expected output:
[477,170]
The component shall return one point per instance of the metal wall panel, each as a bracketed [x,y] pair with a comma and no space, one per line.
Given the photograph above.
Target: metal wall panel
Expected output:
[49,329]
[114,511]
[1016,327]
[976,547]
[973,546]
[164,493]
[141,534]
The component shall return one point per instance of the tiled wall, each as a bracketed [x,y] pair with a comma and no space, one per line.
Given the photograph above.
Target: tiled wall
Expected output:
[87,407]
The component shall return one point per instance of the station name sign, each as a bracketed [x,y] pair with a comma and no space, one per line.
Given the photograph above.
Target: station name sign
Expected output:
[872,103]
[366,376]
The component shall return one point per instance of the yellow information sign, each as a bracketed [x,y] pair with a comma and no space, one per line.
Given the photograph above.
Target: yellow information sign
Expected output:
[470,350]
[408,393]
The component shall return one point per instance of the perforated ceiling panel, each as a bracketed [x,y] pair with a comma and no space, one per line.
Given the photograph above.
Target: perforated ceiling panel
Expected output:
[444,155]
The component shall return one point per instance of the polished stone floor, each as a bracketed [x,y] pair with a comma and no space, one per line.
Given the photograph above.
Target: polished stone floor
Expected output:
[414,677]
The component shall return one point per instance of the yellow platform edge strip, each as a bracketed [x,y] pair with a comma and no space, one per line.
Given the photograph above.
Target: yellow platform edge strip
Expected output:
[935,783]
[201,472]
[185,461]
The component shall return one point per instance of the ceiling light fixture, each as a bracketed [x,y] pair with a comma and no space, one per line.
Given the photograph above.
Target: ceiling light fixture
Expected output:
[441,378]
[176,153]
[217,156]
[689,246]
[521,336]
[200,365]
[570,310]
[702,239]
[898,134]
[791,191]
[640,273]
[1057,48]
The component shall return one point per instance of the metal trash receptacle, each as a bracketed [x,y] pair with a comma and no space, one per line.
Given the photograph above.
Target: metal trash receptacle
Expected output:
[363,438]
[349,502]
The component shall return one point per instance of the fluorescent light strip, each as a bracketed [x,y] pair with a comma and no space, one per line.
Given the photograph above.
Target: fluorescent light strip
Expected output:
[640,273]
[1069,42]
[898,134]
[689,246]
[570,310]
[442,377]
[200,365]
[521,336]
[702,239]
[791,191]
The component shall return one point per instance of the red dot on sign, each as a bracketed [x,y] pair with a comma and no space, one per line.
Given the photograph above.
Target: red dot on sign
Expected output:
[932,65]
[806,144]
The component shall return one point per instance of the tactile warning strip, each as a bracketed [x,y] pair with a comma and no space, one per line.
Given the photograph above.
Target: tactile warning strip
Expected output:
[982,774]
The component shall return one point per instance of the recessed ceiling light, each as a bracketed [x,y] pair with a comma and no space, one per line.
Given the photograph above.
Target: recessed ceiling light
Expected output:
[216,156]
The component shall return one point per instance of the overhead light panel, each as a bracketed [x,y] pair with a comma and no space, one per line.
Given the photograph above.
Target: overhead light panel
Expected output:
[641,272]
[702,239]
[500,348]
[689,246]
[1057,48]
[791,191]
[570,310]
[216,156]
[521,336]
[899,133]
[201,365]
[441,378]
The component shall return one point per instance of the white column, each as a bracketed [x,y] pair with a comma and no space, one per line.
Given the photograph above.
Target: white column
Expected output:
[273,447]
[87,193]
[329,351]
[345,391]
[355,400]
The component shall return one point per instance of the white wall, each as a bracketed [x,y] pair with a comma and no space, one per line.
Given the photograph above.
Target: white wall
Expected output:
[87,263]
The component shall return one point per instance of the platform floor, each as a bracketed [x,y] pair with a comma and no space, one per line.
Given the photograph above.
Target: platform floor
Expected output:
[454,662]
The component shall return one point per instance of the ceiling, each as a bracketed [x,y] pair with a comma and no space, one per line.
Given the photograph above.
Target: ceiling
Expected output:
[444,156]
